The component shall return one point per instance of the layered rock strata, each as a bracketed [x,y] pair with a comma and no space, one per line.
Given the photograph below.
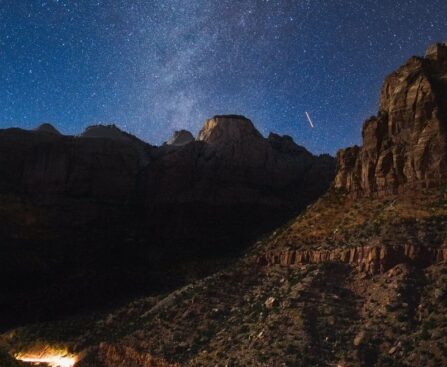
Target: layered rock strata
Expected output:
[370,259]
[405,145]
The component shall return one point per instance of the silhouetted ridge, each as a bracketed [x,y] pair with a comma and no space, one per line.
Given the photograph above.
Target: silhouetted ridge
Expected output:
[47,128]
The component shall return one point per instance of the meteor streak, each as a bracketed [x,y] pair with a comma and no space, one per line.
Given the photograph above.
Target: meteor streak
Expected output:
[310,120]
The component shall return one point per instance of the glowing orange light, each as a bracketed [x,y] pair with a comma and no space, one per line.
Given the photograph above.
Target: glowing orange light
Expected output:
[51,360]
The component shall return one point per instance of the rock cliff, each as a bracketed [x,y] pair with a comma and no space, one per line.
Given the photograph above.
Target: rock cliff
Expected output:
[405,145]
[386,218]
[370,259]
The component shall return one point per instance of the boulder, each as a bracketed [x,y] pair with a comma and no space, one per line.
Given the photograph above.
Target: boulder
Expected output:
[271,302]
[359,338]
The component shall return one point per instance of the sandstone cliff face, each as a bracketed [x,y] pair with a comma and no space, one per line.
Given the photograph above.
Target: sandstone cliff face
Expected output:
[371,259]
[405,145]
[234,136]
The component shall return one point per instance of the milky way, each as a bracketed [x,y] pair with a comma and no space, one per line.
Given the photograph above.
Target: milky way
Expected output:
[155,66]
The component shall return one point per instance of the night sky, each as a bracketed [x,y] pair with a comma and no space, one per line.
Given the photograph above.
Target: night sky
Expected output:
[153,67]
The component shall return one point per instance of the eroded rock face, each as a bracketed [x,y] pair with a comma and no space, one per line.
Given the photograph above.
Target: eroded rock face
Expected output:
[405,145]
[234,139]
[371,259]
[228,128]
[180,137]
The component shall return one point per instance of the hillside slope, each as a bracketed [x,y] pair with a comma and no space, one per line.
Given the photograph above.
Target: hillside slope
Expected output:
[314,313]
[358,279]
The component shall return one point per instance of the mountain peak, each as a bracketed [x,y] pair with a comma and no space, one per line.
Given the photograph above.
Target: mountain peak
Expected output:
[228,128]
[180,138]
[103,131]
[47,128]
[437,51]
[285,143]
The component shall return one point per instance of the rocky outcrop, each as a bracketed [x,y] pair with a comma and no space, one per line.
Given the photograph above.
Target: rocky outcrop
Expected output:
[370,259]
[105,131]
[180,138]
[405,145]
